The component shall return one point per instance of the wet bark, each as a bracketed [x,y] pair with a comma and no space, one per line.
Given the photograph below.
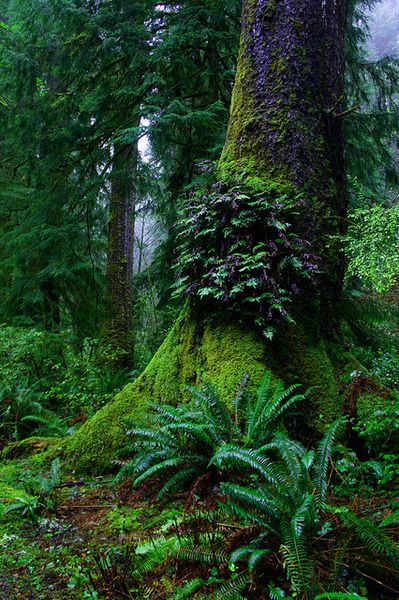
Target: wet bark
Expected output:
[116,340]
[286,119]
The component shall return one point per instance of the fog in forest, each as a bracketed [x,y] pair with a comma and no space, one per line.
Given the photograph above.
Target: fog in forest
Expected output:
[384,30]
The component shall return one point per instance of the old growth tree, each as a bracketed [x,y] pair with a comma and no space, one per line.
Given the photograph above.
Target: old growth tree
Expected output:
[285,144]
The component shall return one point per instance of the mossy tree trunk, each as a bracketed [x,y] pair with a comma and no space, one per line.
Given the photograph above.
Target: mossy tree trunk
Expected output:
[116,339]
[285,130]
[286,121]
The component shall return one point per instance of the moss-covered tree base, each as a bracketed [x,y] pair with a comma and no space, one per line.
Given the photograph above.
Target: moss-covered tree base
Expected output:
[220,353]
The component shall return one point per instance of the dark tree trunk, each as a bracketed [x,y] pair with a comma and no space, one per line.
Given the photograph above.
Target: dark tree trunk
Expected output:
[116,340]
[285,124]
[51,306]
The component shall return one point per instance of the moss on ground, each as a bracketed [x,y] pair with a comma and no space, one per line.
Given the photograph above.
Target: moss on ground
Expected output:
[28,447]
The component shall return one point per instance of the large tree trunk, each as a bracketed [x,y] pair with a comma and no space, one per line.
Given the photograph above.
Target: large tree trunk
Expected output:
[285,129]
[116,339]
[285,125]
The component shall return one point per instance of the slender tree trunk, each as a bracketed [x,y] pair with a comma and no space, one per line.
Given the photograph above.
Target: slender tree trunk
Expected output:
[51,306]
[116,340]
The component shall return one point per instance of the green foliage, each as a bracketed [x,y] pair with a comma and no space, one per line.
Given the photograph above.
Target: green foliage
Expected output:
[188,590]
[27,507]
[376,540]
[181,441]
[45,384]
[380,428]
[239,254]
[371,245]
[287,501]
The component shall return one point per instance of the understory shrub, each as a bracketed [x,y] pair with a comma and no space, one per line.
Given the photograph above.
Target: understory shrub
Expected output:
[46,386]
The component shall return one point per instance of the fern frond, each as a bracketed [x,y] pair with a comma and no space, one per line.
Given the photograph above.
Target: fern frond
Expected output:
[255,557]
[188,589]
[298,563]
[247,515]
[240,554]
[150,555]
[370,534]
[203,556]
[303,515]
[257,500]
[197,432]
[392,519]
[176,481]
[273,409]
[231,589]
[165,465]
[321,462]
[210,399]
[231,456]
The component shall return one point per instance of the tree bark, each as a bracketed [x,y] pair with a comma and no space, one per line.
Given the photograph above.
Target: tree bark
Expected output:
[285,124]
[116,339]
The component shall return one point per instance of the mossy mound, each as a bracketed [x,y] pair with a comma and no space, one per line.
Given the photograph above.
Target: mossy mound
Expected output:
[28,447]
[192,351]
[196,350]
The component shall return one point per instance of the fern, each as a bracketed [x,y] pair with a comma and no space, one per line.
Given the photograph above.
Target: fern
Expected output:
[203,556]
[285,503]
[150,555]
[188,589]
[295,553]
[392,519]
[181,443]
[232,588]
[321,462]
[371,535]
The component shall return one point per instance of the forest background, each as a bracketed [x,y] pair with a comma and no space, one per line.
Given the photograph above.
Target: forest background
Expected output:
[112,116]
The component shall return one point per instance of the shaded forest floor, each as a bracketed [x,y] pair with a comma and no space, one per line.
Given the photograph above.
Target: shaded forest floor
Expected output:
[89,538]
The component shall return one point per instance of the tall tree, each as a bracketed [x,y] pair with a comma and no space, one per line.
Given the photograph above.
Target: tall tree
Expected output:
[285,140]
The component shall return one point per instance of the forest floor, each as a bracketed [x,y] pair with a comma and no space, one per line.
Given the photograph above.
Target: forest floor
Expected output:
[66,537]
[88,538]
[55,543]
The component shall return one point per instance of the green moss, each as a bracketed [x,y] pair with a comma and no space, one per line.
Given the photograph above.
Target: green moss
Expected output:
[368,404]
[28,447]
[235,157]
[299,358]
[229,353]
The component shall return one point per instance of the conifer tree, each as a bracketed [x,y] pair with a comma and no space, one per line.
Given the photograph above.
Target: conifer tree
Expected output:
[285,139]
